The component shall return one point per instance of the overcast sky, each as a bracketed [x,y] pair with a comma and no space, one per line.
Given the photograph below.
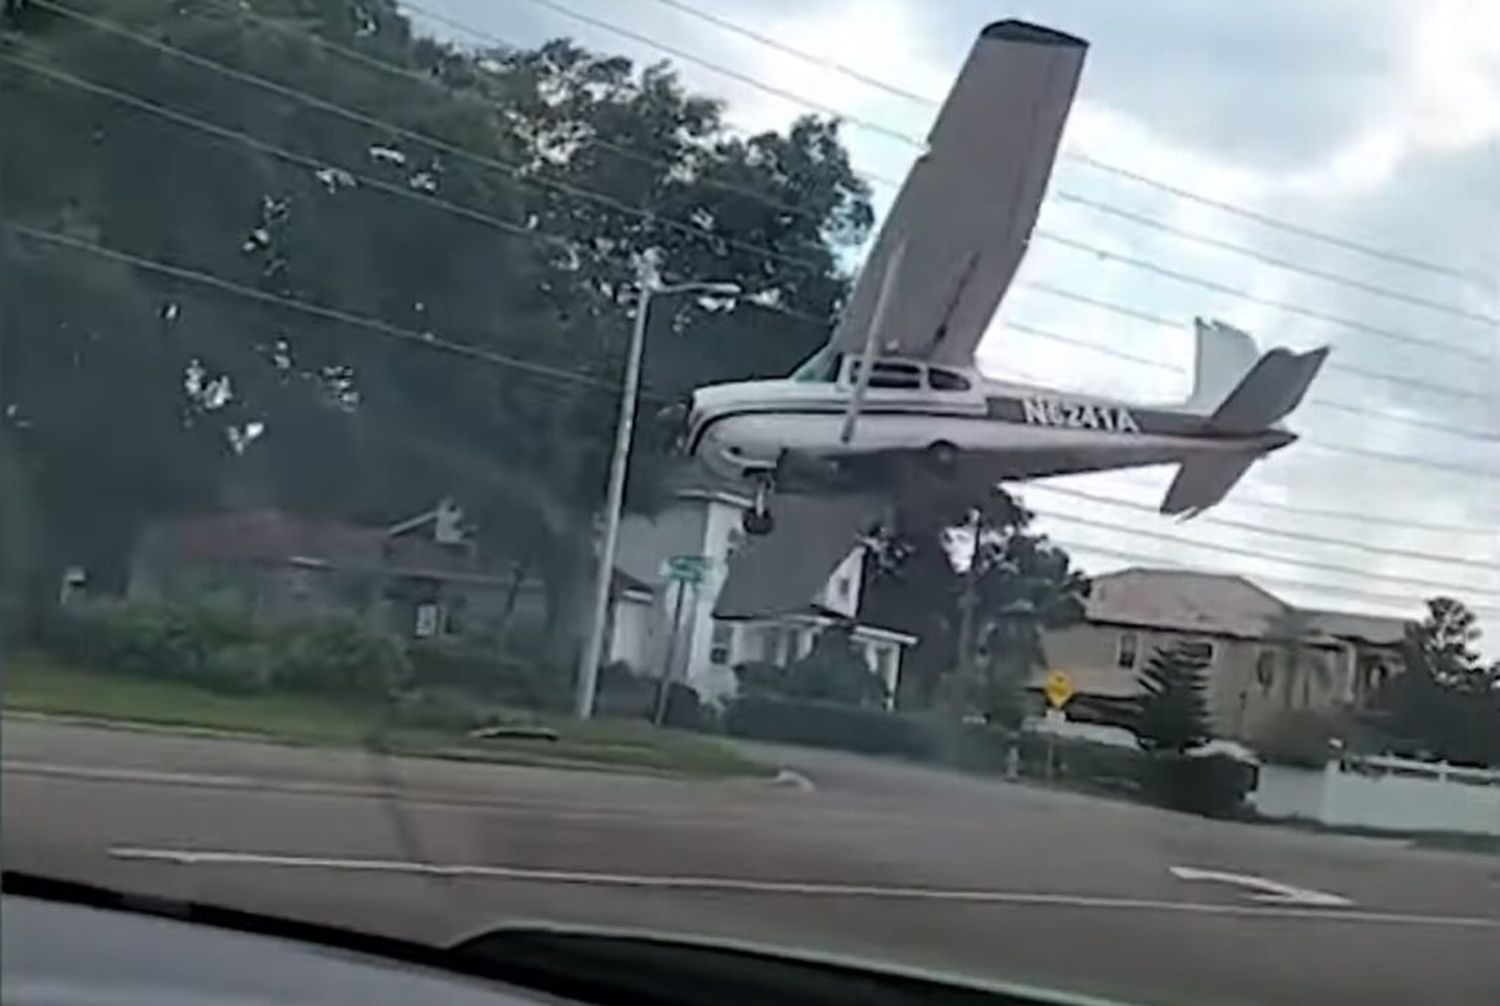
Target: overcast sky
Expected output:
[1374,121]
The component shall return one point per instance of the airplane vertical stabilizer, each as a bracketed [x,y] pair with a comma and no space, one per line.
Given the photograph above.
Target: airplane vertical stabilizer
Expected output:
[1225,355]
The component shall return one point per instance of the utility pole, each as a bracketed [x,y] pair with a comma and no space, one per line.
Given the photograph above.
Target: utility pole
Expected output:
[593,649]
[968,603]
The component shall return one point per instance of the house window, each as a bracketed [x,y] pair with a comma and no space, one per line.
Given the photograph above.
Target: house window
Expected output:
[1197,651]
[1265,670]
[427,621]
[1126,649]
[841,588]
[720,643]
[453,618]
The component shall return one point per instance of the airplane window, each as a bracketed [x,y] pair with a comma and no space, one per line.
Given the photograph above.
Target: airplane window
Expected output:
[890,375]
[946,380]
[820,368]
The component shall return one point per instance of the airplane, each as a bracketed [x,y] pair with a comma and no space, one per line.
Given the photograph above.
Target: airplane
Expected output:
[893,406]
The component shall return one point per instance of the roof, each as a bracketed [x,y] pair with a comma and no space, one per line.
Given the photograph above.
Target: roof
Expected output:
[270,535]
[1186,601]
[1219,604]
[1372,629]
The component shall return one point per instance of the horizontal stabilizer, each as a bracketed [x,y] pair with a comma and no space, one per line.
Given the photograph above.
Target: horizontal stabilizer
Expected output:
[1272,388]
[1201,482]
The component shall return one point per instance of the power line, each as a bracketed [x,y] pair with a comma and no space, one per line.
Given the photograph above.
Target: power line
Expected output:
[1326,403]
[1245,295]
[512,171]
[592,195]
[429,80]
[425,340]
[1239,499]
[1330,567]
[687,56]
[691,10]
[506,226]
[1126,311]
[1307,536]
[443,204]
[1271,260]
[376,325]
[1328,588]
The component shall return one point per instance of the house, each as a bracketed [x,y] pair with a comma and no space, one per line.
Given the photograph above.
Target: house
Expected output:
[419,578]
[703,519]
[1236,628]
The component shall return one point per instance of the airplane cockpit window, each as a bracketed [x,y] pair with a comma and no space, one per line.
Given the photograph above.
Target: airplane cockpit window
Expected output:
[946,380]
[889,375]
[820,368]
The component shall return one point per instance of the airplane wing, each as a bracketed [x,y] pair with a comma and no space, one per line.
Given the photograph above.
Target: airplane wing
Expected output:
[784,570]
[965,213]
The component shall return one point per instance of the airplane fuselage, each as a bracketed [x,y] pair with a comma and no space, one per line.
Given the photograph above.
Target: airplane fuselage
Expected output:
[1022,431]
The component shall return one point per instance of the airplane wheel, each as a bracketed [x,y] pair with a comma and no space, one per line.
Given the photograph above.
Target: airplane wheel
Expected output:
[758,523]
[943,457]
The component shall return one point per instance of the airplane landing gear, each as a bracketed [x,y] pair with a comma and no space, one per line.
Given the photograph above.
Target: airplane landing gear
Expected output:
[758,520]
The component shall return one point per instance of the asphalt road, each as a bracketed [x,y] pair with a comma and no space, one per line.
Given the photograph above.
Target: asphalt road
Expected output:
[878,860]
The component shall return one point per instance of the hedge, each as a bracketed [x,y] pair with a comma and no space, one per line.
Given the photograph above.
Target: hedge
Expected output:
[228,651]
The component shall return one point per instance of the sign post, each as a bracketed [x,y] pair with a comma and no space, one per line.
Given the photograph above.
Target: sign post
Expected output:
[684,571]
[1059,690]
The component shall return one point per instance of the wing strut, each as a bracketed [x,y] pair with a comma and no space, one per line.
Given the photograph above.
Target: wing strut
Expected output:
[872,340]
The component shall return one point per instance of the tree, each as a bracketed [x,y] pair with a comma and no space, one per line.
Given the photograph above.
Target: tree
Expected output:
[937,565]
[1173,713]
[1301,664]
[1446,703]
[564,171]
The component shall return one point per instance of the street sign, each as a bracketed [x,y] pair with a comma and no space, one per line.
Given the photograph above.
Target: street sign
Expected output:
[1058,688]
[685,568]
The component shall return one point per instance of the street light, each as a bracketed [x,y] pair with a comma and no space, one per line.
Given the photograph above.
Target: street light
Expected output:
[588,667]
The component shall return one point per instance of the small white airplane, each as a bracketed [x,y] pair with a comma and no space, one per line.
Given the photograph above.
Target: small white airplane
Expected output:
[893,406]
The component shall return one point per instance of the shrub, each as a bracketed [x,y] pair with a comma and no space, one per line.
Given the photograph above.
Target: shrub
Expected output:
[337,656]
[825,724]
[834,672]
[243,668]
[1298,737]
[1215,785]
[443,665]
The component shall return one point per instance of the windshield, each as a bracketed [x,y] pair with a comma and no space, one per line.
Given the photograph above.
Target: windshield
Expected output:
[355,567]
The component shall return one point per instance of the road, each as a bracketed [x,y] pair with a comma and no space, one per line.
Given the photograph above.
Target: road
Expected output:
[880,860]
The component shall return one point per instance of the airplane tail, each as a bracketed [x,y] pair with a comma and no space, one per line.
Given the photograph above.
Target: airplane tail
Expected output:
[1254,402]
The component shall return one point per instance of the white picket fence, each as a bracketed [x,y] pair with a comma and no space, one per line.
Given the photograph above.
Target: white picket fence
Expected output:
[1384,792]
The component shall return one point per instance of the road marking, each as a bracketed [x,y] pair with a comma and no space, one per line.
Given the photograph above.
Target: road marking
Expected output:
[1269,891]
[743,885]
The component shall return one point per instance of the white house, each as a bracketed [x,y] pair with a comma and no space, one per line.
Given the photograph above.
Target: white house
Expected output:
[704,520]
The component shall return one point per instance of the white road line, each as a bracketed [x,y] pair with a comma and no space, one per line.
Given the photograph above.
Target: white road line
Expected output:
[1267,890]
[742,885]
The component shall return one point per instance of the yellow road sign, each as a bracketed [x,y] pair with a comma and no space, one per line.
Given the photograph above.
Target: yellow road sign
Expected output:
[1058,688]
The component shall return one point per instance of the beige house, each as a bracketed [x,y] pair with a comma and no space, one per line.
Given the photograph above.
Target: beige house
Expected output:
[1235,627]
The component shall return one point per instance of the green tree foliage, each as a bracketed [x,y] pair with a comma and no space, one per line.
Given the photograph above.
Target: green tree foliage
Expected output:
[1021,585]
[1447,703]
[1173,713]
[131,395]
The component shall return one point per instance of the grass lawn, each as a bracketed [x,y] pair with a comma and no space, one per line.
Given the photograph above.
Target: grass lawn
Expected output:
[37,684]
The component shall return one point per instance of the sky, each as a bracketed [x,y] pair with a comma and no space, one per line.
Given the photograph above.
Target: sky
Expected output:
[1373,122]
